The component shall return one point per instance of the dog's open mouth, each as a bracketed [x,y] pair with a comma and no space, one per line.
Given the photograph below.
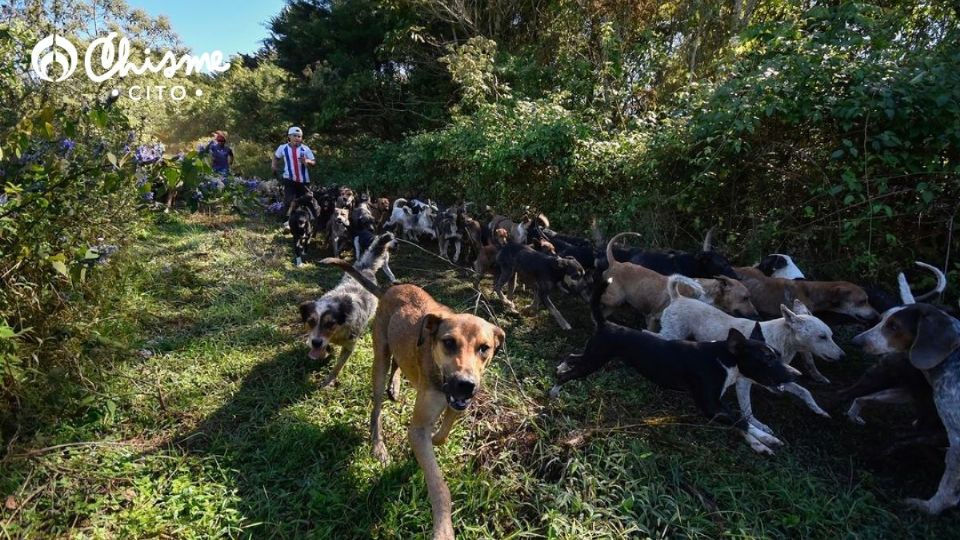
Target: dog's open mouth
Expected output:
[456,403]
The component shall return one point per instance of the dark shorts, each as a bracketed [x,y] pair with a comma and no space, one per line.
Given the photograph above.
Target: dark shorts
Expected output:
[292,190]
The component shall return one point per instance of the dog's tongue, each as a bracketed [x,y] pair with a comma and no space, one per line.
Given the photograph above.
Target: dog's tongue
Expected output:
[315,353]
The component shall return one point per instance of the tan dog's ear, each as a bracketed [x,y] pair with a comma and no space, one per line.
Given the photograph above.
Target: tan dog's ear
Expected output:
[501,337]
[429,324]
[842,291]
[935,340]
[725,282]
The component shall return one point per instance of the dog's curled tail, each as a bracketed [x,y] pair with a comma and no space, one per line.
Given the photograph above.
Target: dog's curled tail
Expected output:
[374,257]
[674,282]
[610,259]
[907,297]
[355,274]
[596,309]
[398,202]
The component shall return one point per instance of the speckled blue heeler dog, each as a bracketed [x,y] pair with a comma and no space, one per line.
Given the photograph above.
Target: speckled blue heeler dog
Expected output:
[342,314]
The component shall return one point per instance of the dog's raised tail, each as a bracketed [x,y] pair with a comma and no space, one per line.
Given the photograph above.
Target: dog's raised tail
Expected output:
[596,309]
[355,274]
[610,259]
[375,255]
[674,282]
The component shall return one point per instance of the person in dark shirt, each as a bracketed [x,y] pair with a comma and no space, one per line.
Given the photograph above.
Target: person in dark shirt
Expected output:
[221,155]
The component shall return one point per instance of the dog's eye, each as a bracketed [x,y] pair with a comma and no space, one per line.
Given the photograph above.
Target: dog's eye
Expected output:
[450,344]
[311,322]
[824,337]
[329,324]
[483,349]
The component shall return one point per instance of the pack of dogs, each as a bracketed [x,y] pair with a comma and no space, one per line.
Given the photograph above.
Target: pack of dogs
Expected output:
[707,325]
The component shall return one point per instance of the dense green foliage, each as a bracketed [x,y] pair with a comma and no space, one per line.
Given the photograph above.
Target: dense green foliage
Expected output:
[830,132]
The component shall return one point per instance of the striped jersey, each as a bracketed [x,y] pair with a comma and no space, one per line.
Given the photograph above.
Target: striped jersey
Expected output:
[294,167]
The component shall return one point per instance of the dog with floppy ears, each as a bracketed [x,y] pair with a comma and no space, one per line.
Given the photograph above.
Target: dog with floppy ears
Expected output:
[342,314]
[443,354]
[705,370]
[931,338]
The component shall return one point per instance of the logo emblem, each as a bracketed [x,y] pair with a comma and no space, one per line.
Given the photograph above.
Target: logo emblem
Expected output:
[59,45]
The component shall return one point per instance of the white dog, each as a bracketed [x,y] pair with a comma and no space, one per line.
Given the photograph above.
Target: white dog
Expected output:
[413,218]
[796,332]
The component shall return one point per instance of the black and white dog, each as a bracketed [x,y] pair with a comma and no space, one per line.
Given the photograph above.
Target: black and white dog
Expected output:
[413,218]
[363,226]
[705,370]
[341,315]
[304,213]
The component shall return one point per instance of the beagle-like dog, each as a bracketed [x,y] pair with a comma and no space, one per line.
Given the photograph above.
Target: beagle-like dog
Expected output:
[931,338]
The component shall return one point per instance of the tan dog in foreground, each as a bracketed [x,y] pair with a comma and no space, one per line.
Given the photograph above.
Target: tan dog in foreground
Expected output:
[443,354]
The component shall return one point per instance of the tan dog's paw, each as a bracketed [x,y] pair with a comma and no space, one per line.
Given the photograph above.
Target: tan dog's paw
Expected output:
[438,440]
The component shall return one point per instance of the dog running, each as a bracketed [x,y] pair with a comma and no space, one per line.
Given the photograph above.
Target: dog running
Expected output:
[443,354]
[342,314]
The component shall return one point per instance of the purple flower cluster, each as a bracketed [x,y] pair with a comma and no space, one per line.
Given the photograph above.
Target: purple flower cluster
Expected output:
[197,196]
[251,184]
[213,184]
[3,199]
[149,153]
[148,196]
[275,208]
[67,145]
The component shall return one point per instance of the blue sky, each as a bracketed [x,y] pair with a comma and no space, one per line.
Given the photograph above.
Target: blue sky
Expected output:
[231,27]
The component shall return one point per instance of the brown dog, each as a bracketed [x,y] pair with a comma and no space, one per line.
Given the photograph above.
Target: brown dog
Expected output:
[646,290]
[443,354]
[837,296]
[487,258]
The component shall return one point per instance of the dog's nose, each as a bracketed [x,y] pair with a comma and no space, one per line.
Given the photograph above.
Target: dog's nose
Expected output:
[317,343]
[462,386]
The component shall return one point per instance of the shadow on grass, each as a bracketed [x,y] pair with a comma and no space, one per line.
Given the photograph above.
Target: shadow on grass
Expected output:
[296,475]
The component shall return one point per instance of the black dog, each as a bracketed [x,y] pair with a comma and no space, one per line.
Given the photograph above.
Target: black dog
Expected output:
[303,220]
[541,273]
[705,370]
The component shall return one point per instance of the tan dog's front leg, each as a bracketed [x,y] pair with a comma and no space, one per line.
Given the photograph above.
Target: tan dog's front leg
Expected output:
[450,417]
[381,363]
[430,404]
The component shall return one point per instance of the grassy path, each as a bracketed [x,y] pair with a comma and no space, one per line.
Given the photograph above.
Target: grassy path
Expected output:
[209,424]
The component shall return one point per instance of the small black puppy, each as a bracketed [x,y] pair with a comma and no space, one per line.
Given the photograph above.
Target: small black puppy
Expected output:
[539,272]
[304,212]
[705,370]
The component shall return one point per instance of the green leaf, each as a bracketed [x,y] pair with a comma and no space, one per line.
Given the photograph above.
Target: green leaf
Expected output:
[112,158]
[60,268]
[837,154]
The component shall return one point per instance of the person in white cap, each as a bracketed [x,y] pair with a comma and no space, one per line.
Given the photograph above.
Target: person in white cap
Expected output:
[295,157]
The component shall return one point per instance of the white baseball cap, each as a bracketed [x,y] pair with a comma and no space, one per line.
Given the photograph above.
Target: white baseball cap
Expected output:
[295,131]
